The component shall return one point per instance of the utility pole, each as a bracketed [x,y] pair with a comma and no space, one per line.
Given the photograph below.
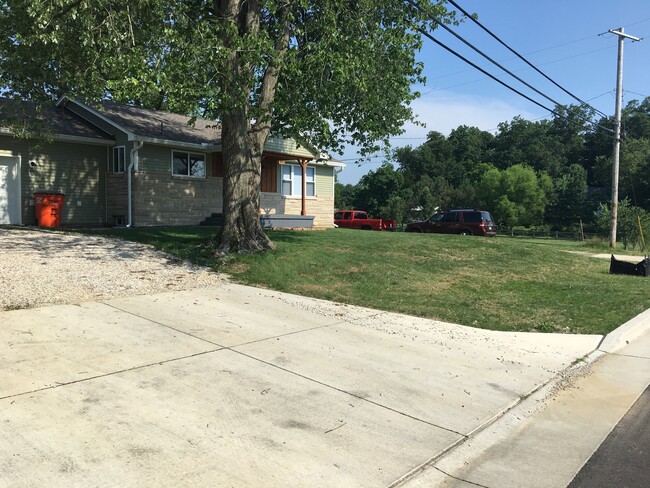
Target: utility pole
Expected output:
[617,132]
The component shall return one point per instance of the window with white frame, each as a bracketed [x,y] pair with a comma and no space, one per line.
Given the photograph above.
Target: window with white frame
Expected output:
[188,164]
[119,159]
[292,180]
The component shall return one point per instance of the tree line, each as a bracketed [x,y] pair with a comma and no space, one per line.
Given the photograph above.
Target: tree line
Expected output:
[549,174]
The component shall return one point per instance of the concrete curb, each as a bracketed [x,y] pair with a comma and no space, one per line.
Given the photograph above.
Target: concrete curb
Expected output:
[438,468]
[623,335]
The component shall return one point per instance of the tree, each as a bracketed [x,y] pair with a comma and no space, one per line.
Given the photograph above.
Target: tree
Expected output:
[633,227]
[432,159]
[325,72]
[471,147]
[423,201]
[569,127]
[634,170]
[569,195]
[523,142]
[345,196]
[375,188]
[636,119]
[516,196]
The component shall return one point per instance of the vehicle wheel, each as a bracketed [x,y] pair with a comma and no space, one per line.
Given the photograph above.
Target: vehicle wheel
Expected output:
[465,232]
[419,231]
[366,227]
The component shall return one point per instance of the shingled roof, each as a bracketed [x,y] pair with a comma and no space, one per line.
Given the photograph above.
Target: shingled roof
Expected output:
[161,125]
[47,121]
[73,118]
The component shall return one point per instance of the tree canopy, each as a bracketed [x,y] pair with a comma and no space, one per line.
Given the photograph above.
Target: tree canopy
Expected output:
[554,173]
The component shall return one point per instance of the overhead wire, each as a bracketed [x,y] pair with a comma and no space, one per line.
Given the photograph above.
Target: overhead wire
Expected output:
[543,64]
[498,39]
[635,93]
[638,22]
[475,49]
[486,73]
[506,85]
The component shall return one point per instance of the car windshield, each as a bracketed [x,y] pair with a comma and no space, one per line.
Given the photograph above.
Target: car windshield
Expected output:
[437,217]
[486,217]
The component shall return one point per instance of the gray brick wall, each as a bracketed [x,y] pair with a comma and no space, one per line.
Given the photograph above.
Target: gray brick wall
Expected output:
[160,199]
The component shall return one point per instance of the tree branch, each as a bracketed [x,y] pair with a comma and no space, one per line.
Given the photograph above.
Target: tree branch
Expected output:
[272,73]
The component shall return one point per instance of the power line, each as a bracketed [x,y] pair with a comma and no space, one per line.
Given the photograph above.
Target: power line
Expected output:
[541,64]
[610,92]
[503,83]
[481,79]
[475,66]
[557,114]
[638,22]
[473,47]
[498,39]
[635,93]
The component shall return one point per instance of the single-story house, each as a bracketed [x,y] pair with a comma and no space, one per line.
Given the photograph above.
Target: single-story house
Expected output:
[122,165]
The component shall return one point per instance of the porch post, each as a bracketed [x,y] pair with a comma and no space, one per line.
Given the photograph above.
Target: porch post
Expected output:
[303,166]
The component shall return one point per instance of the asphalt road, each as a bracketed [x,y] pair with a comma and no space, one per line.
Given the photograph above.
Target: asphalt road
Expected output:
[623,459]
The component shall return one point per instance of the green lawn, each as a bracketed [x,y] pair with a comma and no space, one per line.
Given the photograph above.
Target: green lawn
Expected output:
[498,283]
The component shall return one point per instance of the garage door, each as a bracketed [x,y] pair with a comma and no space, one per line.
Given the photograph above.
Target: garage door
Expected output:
[9,190]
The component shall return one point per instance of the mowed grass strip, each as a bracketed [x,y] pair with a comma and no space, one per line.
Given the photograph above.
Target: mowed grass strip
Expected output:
[493,283]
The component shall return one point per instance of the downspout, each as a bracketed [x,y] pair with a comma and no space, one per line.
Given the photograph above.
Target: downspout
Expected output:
[137,145]
[303,168]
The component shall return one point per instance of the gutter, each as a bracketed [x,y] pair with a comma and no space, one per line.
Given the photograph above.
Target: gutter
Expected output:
[137,145]
[199,146]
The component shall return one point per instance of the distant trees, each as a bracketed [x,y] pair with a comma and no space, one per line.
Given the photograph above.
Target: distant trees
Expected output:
[375,188]
[567,202]
[517,195]
[530,173]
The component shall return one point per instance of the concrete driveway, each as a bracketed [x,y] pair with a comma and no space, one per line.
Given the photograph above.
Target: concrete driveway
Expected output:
[237,386]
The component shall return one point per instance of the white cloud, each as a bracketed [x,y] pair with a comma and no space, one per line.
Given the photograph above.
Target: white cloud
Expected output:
[441,112]
[445,111]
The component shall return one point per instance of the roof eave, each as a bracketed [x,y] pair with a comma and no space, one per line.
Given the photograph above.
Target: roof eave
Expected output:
[61,101]
[65,138]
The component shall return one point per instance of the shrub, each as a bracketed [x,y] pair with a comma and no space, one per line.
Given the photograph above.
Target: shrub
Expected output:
[633,225]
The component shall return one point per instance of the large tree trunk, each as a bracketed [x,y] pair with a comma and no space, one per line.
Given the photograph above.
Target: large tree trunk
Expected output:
[242,144]
[242,157]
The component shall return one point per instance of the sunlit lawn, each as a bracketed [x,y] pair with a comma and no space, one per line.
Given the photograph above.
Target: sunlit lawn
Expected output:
[498,283]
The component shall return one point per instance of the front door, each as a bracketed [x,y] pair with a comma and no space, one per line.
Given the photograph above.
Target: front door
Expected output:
[10,190]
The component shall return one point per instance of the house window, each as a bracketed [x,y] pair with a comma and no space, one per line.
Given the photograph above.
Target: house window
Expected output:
[292,180]
[188,164]
[119,160]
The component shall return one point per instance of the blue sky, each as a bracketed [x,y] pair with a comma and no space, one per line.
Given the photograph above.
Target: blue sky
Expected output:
[561,38]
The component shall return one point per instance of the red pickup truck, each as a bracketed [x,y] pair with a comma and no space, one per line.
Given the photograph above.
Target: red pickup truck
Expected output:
[358,219]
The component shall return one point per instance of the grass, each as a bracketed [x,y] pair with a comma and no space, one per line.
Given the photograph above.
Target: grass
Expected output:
[500,283]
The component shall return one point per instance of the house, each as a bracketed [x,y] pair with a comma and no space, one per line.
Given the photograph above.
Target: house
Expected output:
[122,165]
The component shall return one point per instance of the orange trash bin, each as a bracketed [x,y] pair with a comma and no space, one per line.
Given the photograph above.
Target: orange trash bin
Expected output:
[48,209]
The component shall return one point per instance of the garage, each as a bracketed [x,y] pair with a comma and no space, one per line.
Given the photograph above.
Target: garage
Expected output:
[10,190]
